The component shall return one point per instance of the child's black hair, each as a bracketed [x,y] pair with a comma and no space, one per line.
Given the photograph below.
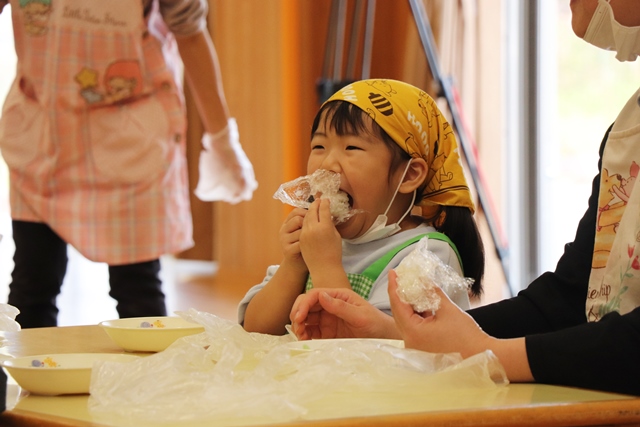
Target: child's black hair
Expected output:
[456,222]
[459,225]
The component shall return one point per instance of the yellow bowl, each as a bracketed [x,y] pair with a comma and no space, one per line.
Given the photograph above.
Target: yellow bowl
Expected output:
[149,334]
[54,374]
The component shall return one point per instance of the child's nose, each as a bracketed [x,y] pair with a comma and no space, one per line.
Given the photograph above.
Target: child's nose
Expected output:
[331,163]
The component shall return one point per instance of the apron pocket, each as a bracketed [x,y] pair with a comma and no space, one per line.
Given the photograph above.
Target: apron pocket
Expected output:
[22,129]
[129,142]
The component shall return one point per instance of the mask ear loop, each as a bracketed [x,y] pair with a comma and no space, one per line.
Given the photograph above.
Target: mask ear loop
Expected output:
[396,193]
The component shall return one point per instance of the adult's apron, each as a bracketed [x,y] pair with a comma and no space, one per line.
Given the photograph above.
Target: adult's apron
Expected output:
[614,283]
[93,130]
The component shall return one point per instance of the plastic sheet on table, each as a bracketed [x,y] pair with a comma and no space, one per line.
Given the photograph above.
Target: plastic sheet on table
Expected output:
[228,373]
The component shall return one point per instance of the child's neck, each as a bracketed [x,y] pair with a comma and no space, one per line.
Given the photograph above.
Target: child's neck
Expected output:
[411,222]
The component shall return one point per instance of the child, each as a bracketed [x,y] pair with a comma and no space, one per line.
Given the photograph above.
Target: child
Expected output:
[393,150]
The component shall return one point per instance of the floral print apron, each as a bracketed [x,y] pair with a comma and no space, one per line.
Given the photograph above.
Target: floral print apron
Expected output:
[614,284]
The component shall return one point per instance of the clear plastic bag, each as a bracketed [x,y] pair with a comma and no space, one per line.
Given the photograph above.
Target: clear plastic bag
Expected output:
[324,184]
[8,314]
[230,376]
[418,275]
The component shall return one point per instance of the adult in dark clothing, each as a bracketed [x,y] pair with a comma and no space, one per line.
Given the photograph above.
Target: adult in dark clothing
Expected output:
[577,326]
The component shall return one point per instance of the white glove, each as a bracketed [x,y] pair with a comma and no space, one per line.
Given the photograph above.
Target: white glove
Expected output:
[226,174]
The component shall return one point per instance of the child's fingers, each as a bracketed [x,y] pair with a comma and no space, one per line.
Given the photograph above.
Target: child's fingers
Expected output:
[296,212]
[292,223]
[324,213]
[314,211]
[319,211]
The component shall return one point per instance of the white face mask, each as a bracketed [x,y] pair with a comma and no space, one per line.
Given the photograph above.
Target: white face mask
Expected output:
[379,229]
[607,33]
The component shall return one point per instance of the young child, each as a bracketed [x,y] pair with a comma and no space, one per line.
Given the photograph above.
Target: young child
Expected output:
[393,150]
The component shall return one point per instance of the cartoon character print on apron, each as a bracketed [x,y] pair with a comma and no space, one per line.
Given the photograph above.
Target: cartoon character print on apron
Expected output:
[93,130]
[614,283]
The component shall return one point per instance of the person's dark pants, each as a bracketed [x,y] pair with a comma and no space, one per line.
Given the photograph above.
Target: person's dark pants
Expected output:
[41,263]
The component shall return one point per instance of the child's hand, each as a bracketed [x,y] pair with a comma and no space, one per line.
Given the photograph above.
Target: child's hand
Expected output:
[290,236]
[320,242]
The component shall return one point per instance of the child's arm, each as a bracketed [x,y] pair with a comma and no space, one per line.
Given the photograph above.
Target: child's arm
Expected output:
[311,245]
[268,311]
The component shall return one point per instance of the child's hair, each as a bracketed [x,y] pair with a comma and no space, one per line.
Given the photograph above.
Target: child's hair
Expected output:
[456,222]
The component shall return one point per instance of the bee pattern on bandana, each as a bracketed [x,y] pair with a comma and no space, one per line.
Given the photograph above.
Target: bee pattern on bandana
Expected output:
[381,103]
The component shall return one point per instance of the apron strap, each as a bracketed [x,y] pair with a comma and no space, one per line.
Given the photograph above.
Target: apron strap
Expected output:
[375,269]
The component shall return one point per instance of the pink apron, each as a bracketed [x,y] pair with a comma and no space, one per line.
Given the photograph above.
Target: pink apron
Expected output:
[93,130]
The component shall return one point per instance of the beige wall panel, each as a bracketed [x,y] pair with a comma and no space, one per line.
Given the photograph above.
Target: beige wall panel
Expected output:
[247,36]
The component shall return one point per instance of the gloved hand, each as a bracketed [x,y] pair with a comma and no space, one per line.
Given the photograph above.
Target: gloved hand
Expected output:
[226,174]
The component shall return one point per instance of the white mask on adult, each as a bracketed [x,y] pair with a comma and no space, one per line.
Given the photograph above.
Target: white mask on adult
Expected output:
[607,33]
[379,229]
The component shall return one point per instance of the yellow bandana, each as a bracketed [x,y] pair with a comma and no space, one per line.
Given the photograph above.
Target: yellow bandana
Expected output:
[412,119]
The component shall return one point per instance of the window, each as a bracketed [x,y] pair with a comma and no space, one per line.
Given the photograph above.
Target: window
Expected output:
[589,88]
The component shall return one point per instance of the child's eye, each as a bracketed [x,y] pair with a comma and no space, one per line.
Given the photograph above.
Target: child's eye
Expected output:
[353,147]
[317,147]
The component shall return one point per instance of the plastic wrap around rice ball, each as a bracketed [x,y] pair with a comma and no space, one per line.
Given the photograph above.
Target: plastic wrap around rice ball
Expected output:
[323,184]
[418,275]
